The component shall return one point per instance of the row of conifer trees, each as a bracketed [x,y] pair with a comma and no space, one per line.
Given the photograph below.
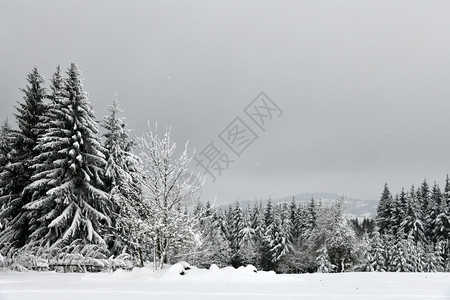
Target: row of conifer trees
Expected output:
[316,236]
[64,187]
[58,179]
[414,229]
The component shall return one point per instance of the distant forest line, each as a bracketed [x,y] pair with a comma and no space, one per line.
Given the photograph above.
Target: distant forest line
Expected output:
[73,199]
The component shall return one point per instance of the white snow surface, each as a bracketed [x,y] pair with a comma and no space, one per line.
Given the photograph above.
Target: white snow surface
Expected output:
[225,283]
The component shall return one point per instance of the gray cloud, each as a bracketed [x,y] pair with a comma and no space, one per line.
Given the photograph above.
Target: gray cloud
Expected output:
[363,85]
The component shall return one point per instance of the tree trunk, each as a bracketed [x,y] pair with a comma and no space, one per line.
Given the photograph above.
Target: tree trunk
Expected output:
[140,257]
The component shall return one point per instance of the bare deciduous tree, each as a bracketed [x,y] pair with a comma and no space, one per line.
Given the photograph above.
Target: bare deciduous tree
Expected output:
[167,182]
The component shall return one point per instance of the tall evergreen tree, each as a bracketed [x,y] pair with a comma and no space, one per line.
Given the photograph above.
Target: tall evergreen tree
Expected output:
[404,256]
[42,162]
[24,140]
[399,208]
[295,219]
[5,143]
[311,214]
[257,224]
[213,246]
[75,205]
[421,242]
[384,210]
[257,220]
[123,185]
[434,210]
[272,237]
[286,223]
[324,264]
[446,195]
[441,227]
[130,217]
[5,180]
[269,220]
[378,252]
[284,242]
[423,197]
[248,246]
[220,218]
[412,224]
[302,222]
[237,226]
[340,237]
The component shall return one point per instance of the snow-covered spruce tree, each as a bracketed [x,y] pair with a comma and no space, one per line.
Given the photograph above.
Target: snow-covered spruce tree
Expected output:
[442,233]
[129,216]
[311,215]
[401,212]
[446,195]
[213,246]
[302,258]
[443,223]
[412,224]
[366,258]
[237,225]
[277,240]
[182,248]
[5,146]
[121,164]
[5,143]
[285,239]
[324,264]
[441,251]
[17,173]
[166,183]
[221,218]
[396,214]
[257,220]
[408,256]
[384,210]
[423,197]
[439,219]
[377,253]
[389,242]
[295,219]
[269,224]
[75,205]
[304,224]
[399,261]
[431,261]
[248,246]
[434,209]
[42,162]
[5,181]
[334,230]
[342,245]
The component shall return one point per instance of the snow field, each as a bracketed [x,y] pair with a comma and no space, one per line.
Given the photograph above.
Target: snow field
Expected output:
[225,283]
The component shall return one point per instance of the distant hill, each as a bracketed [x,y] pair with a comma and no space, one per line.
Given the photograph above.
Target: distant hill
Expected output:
[356,207]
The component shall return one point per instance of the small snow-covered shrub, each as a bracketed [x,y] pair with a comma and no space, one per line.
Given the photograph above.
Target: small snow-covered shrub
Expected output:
[23,259]
[179,268]
[75,257]
[3,262]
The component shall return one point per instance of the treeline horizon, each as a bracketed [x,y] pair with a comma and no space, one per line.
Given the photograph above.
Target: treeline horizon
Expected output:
[70,196]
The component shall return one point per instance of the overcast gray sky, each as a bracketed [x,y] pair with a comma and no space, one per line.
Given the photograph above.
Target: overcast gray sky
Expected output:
[364,86]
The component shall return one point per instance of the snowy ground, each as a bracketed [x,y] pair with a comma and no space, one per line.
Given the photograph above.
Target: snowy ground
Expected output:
[224,283]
